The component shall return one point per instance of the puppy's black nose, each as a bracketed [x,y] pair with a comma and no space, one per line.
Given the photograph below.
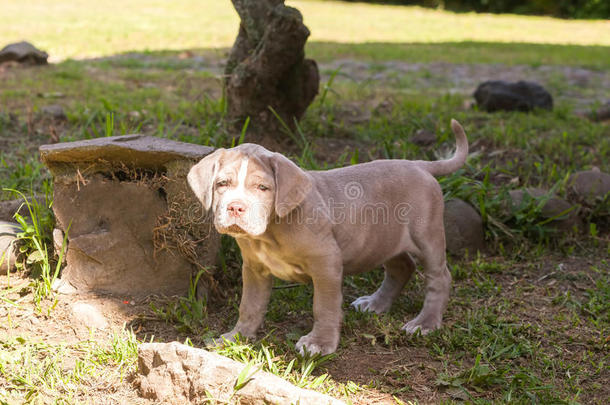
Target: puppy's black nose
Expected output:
[236,209]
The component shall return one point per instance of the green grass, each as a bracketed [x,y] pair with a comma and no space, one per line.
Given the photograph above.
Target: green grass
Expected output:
[188,314]
[35,371]
[36,247]
[297,370]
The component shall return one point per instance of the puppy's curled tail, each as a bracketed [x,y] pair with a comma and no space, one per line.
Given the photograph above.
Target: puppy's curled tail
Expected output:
[442,167]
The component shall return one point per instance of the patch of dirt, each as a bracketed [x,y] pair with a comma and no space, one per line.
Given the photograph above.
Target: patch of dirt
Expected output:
[389,369]
[55,323]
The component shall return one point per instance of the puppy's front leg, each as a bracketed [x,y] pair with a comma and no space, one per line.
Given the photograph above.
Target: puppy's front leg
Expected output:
[254,299]
[327,313]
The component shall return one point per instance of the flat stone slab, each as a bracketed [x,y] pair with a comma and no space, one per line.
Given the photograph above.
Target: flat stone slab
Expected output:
[141,151]
[176,373]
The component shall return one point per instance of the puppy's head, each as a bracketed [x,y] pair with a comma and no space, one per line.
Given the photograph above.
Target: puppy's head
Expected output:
[246,187]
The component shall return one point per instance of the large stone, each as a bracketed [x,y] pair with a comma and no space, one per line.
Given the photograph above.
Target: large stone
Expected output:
[134,226]
[590,186]
[553,207]
[8,241]
[496,95]
[175,373]
[463,228]
[23,52]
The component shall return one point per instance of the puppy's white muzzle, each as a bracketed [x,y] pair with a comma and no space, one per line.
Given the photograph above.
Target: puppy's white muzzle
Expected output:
[247,213]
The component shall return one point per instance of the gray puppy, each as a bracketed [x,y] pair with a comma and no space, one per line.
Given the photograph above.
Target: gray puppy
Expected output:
[317,226]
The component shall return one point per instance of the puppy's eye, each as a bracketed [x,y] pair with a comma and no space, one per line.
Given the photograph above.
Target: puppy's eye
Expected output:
[222,183]
[262,187]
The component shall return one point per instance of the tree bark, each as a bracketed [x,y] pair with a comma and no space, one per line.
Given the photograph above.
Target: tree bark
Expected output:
[267,68]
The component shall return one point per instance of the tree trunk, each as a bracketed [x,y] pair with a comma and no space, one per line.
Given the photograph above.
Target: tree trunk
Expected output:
[267,68]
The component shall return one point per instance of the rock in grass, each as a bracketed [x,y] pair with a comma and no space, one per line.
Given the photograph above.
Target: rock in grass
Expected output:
[423,137]
[9,208]
[498,95]
[89,315]
[8,241]
[553,207]
[176,373]
[463,228]
[23,52]
[601,113]
[54,111]
[589,186]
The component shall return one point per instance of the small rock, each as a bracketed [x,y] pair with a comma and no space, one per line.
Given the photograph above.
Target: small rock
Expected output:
[496,95]
[423,137]
[51,94]
[186,55]
[463,228]
[58,243]
[54,111]
[9,208]
[176,373]
[552,208]
[23,52]
[600,114]
[589,186]
[384,107]
[8,240]
[89,315]
[63,287]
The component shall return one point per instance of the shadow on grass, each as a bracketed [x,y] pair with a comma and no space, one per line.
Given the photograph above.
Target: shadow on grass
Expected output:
[510,53]
[597,57]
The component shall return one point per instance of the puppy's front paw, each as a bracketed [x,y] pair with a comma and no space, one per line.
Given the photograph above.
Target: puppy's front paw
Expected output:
[230,336]
[313,345]
[224,338]
[371,303]
[424,325]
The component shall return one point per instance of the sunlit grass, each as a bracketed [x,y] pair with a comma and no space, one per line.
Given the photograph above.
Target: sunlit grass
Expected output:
[360,22]
[87,28]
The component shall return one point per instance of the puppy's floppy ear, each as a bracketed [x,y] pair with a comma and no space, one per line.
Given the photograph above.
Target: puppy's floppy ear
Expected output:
[292,184]
[201,177]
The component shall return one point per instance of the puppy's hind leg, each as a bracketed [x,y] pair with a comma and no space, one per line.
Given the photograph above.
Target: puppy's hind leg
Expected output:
[398,271]
[438,286]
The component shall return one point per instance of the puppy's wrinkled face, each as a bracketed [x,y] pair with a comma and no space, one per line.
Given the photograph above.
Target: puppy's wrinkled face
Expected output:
[243,195]
[246,186]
